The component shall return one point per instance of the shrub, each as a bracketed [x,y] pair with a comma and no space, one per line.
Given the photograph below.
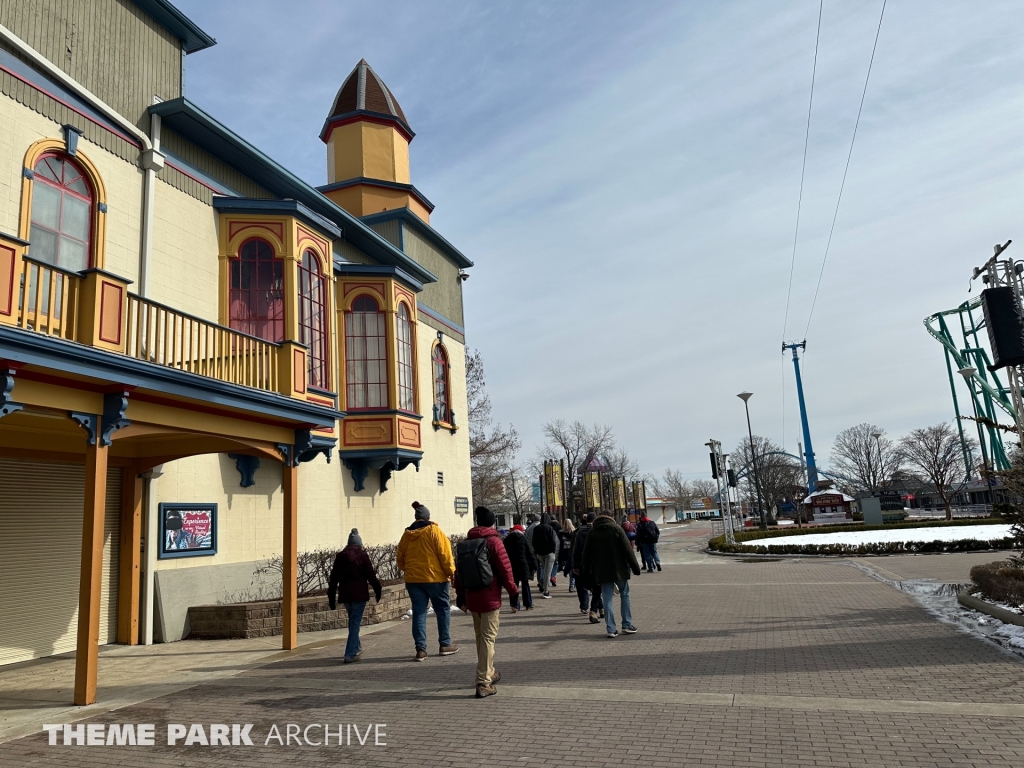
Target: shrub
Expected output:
[1001,582]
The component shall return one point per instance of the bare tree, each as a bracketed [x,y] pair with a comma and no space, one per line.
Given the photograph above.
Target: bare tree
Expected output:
[673,488]
[779,474]
[577,443]
[621,464]
[492,448]
[936,454]
[517,491]
[865,461]
[703,488]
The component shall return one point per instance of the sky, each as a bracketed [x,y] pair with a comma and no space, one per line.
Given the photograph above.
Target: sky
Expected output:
[625,177]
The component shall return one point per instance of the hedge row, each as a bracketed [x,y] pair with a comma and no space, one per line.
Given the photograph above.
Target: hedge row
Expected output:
[719,544]
[841,527]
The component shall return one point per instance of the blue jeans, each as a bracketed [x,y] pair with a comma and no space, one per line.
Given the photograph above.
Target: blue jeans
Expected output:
[437,595]
[355,619]
[608,595]
[649,553]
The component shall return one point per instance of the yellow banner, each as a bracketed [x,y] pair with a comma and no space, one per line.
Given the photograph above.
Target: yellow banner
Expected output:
[592,487]
[639,496]
[556,486]
[619,493]
[549,494]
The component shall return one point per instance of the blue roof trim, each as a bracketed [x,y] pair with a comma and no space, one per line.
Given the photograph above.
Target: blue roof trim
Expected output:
[48,352]
[183,166]
[195,125]
[373,270]
[177,23]
[278,207]
[440,318]
[407,217]
[44,84]
[379,183]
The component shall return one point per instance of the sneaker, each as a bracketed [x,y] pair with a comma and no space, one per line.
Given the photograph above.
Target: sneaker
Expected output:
[496,677]
[584,610]
[613,633]
[546,595]
[659,566]
[630,630]
[572,589]
[447,650]
[593,618]
[352,660]
[554,583]
[601,613]
[421,655]
[483,691]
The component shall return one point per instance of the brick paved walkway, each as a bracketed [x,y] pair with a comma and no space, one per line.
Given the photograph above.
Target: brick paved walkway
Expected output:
[800,662]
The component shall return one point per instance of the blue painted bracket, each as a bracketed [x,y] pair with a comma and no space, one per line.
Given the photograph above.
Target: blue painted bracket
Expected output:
[86,421]
[114,406]
[359,471]
[7,404]
[246,466]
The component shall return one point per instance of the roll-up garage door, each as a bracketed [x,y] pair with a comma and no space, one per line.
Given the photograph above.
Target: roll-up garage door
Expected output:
[41,507]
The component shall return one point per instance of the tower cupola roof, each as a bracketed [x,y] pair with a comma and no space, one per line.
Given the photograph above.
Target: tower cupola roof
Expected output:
[364,95]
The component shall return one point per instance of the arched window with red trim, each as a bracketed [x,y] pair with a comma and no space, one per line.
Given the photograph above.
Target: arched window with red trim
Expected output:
[62,206]
[256,301]
[442,390]
[406,381]
[366,356]
[313,318]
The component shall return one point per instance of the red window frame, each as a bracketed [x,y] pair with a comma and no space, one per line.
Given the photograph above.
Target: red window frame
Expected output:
[256,307]
[442,384]
[406,370]
[313,328]
[65,190]
[366,357]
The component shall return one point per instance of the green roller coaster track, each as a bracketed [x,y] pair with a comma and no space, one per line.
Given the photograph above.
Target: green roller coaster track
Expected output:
[988,396]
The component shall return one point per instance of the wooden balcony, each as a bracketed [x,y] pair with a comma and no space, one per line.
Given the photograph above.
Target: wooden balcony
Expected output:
[96,309]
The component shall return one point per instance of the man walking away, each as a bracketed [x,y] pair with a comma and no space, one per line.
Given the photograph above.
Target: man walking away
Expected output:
[523,561]
[565,539]
[630,530]
[647,535]
[588,592]
[531,524]
[545,544]
[351,577]
[609,558]
[482,569]
[424,555]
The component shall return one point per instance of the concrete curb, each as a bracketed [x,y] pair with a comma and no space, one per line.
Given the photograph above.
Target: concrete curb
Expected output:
[968,600]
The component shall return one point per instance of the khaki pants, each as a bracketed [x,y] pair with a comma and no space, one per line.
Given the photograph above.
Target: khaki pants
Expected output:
[485,626]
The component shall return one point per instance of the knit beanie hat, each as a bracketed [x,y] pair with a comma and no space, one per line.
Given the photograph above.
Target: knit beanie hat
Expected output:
[484,517]
[422,513]
[518,527]
[355,538]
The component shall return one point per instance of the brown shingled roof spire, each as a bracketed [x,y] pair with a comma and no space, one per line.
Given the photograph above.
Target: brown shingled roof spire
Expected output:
[364,91]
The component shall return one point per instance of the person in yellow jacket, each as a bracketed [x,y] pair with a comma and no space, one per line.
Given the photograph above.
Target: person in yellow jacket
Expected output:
[425,557]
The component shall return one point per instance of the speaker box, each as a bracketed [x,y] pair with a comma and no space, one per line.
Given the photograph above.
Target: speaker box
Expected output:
[1005,329]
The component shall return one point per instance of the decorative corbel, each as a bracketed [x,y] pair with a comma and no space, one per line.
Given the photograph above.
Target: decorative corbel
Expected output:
[359,471]
[246,466]
[385,475]
[7,404]
[88,422]
[114,406]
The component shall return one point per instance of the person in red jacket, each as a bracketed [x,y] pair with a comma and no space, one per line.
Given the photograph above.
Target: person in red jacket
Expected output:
[485,603]
[351,577]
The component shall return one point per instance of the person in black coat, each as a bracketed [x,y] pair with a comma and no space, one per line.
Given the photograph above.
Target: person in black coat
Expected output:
[545,544]
[524,562]
[588,592]
[351,579]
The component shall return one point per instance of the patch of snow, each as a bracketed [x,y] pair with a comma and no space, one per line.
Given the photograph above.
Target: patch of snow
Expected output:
[995,532]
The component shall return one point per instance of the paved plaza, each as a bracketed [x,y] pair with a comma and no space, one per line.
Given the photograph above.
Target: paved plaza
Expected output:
[791,662]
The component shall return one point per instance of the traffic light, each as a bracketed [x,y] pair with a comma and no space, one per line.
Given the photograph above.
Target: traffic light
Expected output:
[714,467]
[732,477]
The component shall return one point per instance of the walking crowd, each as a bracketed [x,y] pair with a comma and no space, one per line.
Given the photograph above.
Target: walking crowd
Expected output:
[597,559]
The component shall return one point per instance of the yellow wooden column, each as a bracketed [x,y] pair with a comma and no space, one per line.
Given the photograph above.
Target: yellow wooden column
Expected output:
[289,607]
[87,651]
[130,549]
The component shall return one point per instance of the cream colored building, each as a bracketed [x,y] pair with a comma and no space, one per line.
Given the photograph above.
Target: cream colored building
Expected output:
[185,322]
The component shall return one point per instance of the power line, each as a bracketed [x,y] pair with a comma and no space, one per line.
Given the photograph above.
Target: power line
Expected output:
[803,171]
[842,185]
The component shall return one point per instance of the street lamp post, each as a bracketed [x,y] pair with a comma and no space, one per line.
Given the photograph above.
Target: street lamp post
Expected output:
[878,444]
[745,396]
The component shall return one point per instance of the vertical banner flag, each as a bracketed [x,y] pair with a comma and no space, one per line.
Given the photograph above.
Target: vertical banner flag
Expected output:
[592,489]
[549,490]
[639,496]
[619,493]
[558,490]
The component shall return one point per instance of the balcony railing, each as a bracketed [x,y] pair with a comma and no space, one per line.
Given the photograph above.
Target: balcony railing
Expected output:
[159,334]
[47,299]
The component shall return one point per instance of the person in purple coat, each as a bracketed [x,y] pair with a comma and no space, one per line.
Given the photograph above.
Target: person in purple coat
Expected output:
[351,577]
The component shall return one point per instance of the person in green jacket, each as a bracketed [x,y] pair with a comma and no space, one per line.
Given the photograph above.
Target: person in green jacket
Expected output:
[607,560]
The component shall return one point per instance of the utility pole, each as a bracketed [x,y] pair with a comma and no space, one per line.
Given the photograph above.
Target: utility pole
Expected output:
[745,396]
[812,469]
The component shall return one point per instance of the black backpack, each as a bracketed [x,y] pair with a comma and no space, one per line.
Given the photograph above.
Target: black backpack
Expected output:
[473,564]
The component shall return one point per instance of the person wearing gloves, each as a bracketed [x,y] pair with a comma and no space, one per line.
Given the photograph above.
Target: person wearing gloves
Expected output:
[482,571]
[424,556]
[351,577]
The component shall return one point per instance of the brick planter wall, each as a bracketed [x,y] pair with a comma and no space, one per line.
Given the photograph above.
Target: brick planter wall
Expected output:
[263,619]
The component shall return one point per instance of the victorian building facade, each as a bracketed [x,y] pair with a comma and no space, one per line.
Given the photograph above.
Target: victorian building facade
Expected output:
[193,340]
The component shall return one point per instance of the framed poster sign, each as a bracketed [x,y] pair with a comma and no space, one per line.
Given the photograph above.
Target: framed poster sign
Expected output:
[187,530]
